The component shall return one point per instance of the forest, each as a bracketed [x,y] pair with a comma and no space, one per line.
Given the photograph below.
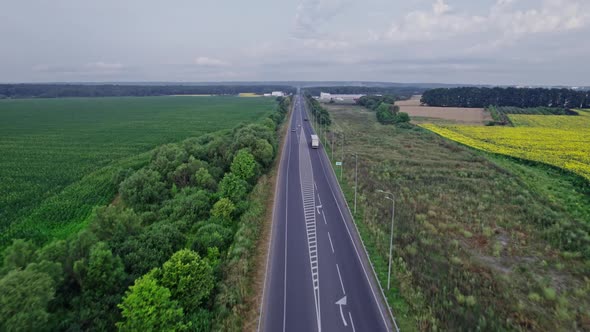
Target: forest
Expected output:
[516,97]
[117,90]
[162,256]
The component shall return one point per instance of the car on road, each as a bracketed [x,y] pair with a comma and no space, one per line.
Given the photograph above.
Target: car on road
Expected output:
[306,119]
[293,129]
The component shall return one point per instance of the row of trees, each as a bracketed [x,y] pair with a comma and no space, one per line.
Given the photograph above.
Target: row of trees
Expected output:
[115,90]
[318,111]
[517,97]
[153,260]
[386,111]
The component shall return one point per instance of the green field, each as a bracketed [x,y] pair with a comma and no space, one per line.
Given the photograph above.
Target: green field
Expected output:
[59,155]
[481,242]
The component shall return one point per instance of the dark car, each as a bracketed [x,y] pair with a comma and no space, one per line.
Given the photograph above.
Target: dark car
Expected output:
[306,119]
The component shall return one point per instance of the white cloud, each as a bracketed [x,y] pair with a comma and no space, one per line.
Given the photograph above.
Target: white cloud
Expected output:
[210,62]
[91,68]
[503,23]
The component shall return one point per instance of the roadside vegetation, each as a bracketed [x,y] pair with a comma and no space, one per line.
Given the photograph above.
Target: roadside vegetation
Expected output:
[386,110]
[172,253]
[60,155]
[481,241]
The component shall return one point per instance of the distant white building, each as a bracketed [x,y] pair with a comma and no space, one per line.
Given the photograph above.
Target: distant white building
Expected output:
[267,95]
[277,94]
[328,96]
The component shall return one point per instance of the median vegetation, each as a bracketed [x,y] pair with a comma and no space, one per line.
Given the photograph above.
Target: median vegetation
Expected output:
[168,254]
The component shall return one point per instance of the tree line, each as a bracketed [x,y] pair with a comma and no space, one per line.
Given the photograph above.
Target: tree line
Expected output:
[517,97]
[386,110]
[116,90]
[154,260]
[317,111]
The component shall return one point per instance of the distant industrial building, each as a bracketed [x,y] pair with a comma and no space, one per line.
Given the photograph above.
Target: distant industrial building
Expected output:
[277,94]
[326,97]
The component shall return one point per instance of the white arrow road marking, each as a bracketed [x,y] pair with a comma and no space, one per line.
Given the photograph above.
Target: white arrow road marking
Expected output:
[342,302]
[319,207]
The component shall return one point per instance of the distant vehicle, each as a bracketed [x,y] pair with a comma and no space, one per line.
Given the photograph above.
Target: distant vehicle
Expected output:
[315,141]
[293,129]
[306,119]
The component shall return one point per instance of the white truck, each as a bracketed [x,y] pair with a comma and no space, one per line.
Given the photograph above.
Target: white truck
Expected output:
[315,141]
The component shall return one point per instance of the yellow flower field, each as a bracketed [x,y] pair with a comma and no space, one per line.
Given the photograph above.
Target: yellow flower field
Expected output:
[562,141]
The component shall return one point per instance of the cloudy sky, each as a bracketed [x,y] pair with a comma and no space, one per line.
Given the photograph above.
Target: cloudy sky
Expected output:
[446,41]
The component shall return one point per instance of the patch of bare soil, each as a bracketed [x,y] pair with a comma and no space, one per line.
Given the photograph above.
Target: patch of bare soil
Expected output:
[421,114]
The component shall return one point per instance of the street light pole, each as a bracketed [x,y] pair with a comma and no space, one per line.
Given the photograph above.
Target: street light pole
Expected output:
[356,163]
[342,158]
[390,197]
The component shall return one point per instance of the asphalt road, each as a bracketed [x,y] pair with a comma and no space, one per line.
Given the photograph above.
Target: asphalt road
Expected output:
[318,277]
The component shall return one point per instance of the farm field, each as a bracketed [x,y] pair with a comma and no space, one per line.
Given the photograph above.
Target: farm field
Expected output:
[562,141]
[480,241]
[59,155]
[421,114]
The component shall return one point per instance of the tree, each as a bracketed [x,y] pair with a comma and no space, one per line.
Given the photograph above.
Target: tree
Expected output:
[211,235]
[24,297]
[189,278]
[151,248]
[223,209]
[143,189]
[114,224]
[102,279]
[233,187]
[244,165]
[19,254]
[148,306]
[167,158]
[204,179]
[102,273]
[191,204]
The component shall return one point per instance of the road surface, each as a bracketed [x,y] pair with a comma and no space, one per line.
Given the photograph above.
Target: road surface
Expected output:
[318,277]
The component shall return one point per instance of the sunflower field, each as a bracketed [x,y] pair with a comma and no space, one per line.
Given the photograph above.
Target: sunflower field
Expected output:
[562,141]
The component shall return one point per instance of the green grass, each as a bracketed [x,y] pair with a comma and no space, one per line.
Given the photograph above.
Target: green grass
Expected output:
[474,234]
[59,155]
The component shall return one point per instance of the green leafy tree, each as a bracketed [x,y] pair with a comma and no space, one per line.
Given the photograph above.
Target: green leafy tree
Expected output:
[143,190]
[148,306]
[24,297]
[151,248]
[19,254]
[102,273]
[190,204]
[233,187]
[167,158]
[189,278]
[205,180]
[244,165]
[114,224]
[211,235]
[223,209]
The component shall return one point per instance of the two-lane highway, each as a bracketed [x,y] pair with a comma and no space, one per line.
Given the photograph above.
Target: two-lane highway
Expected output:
[318,277]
